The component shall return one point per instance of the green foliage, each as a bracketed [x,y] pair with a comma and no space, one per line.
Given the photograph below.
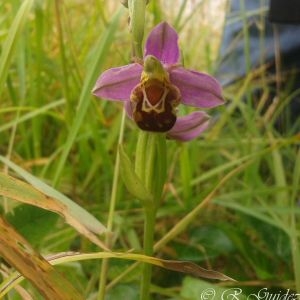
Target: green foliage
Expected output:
[123,291]
[195,289]
[53,128]
[33,223]
[206,242]
[133,183]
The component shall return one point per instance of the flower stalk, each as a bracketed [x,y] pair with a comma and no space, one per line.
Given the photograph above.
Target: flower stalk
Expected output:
[149,225]
[151,89]
[137,9]
[150,167]
[146,153]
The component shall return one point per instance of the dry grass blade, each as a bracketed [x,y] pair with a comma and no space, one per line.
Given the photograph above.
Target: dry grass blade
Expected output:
[19,253]
[25,193]
[193,269]
[178,266]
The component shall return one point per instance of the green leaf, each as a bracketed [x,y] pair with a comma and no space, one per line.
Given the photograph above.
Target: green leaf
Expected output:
[196,289]
[11,40]
[132,182]
[75,215]
[212,238]
[31,222]
[151,162]
[123,291]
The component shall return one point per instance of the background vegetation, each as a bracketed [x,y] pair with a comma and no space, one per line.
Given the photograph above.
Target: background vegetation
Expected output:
[53,128]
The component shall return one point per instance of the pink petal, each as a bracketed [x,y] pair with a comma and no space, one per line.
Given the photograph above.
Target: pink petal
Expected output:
[197,89]
[162,43]
[189,127]
[117,83]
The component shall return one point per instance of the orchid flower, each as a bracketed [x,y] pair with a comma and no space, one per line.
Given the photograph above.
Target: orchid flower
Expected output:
[151,91]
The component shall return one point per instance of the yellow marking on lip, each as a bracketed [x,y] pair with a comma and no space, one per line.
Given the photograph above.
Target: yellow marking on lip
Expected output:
[159,107]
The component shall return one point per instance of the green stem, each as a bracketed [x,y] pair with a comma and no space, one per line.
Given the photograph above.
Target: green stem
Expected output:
[160,168]
[141,153]
[137,9]
[148,151]
[150,216]
[150,176]
[151,168]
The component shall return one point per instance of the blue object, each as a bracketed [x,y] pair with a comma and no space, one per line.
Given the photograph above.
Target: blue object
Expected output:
[262,33]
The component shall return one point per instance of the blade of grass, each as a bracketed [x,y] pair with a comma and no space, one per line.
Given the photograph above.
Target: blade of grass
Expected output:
[180,13]
[9,44]
[282,198]
[63,57]
[186,220]
[80,214]
[178,266]
[252,212]
[234,104]
[294,235]
[85,96]
[36,90]
[30,115]
[219,169]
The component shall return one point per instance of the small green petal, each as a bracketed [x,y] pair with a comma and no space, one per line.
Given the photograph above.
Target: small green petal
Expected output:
[153,69]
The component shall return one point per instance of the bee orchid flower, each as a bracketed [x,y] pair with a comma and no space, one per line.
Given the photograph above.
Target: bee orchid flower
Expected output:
[152,90]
